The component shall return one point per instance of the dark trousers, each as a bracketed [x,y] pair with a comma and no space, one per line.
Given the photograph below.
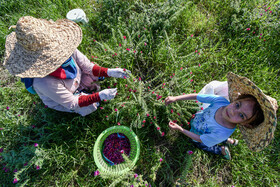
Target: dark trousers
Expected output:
[216,149]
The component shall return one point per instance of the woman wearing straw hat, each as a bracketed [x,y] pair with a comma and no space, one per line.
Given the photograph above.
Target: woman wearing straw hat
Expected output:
[249,108]
[45,55]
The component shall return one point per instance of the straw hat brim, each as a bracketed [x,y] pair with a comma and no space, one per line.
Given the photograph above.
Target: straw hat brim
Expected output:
[26,63]
[259,137]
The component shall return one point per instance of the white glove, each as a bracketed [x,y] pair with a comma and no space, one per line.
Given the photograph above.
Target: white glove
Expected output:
[118,72]
[107,94]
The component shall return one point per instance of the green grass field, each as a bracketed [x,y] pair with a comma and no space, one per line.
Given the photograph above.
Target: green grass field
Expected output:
[175,47]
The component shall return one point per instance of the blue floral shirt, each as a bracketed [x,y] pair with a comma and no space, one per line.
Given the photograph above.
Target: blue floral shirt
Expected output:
[204,123]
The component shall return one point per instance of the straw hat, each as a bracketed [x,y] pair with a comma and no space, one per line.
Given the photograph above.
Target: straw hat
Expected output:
[259,137]
[38,46]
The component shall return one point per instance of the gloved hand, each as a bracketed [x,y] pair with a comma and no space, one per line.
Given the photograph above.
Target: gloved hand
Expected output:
[118,72]
[107,94]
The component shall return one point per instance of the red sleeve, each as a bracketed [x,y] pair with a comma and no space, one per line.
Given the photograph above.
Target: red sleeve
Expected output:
[99,71]
[86,100]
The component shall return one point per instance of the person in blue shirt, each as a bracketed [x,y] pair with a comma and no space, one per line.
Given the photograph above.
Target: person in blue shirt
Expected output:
[216,123]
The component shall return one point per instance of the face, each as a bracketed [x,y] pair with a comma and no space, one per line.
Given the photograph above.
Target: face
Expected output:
[239,111]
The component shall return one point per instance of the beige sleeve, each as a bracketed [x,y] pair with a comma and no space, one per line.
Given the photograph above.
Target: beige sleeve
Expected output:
[54,94]
[83,62]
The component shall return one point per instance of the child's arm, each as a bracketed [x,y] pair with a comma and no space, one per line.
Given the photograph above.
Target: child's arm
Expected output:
[171,99]
[191,135]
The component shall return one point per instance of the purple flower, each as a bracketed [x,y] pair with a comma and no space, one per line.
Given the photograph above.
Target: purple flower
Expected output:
[96,173]
[160,160]
[1,128]
[190,152]
[135,175]
[7,108]
[25,164]
[15,170]
[15,181]
[1,150]
[36,145]
[37,167]
[46,106]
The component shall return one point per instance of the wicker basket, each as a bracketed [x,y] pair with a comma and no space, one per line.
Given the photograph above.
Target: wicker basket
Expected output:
[123,167]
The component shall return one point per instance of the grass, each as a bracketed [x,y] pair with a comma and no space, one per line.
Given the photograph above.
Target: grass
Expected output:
[206,38]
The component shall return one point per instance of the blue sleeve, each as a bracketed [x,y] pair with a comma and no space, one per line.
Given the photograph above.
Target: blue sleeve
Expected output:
[207,98]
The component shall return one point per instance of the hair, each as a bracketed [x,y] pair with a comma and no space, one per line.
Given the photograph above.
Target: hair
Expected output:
[257,117]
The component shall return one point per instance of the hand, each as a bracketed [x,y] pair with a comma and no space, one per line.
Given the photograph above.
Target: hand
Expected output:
[169,99]
[175,126]
[107,94]
[118,73]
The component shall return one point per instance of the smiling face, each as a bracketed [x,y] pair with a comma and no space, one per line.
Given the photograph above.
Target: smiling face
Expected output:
[239,112]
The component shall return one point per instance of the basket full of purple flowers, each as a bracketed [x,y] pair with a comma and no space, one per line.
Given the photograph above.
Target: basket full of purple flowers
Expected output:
[116,150]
